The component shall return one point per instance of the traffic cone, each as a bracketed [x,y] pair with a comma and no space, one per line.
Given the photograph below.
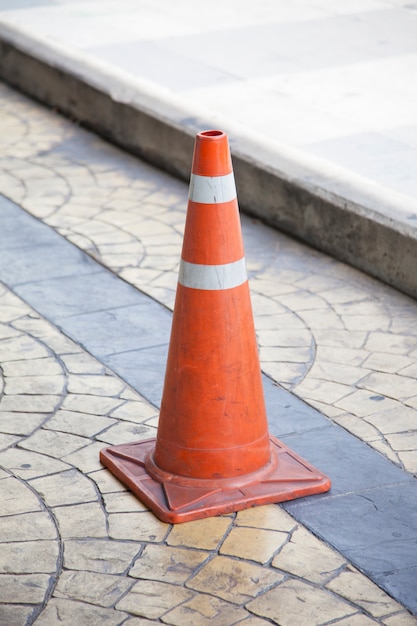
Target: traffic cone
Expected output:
[213,453]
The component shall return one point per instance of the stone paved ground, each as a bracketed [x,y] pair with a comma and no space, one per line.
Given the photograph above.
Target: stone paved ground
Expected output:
[76,547]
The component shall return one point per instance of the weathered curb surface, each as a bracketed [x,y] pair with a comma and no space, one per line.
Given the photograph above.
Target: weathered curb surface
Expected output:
[336,212]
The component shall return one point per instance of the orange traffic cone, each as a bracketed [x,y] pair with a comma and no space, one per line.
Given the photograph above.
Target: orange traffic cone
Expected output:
[213,453]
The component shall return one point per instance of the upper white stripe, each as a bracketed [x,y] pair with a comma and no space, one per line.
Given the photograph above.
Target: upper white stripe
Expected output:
[212,277]
[212,189]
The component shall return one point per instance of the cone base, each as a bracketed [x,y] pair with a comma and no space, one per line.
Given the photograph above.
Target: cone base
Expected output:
[174,499]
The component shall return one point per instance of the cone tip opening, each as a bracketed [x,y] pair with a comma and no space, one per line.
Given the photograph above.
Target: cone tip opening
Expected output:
[209,134]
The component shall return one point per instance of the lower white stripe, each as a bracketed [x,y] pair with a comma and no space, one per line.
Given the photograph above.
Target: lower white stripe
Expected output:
[212,277]
[212,189]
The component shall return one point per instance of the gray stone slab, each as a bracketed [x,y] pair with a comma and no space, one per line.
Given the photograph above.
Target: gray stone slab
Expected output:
[19,229]
[287,414]
[71,295]
[48,260]
[120,330]
[402,585]
[143,369]
[376,529]
[351,463]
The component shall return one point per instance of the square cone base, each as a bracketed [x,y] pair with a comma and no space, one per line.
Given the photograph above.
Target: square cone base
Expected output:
[178,499]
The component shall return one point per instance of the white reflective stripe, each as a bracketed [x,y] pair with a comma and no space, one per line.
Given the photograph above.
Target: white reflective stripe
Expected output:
[212,189]
[212,277]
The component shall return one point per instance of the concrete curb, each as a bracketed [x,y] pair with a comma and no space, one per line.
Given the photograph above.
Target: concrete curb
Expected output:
[323,205]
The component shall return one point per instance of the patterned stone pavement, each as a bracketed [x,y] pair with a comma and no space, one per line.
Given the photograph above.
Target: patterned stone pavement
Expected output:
[76,547]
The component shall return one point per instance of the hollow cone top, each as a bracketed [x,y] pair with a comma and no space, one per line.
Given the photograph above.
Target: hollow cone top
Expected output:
[211,154]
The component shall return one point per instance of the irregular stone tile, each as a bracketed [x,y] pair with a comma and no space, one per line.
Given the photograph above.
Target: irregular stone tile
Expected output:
[393,385]
[95,385]
[122,502]
[70,487]
[52,385]
[140,526]
[284,338]
[233,580]
[406,441]
[40,328]
[203,609]
[20,423]
[204,534]
[103,556]
[82,364]
[338,373]
[106,482]
[288,374]
[287,355]
[410,370]
[64,612]
[153,599]
[308,557]
[27,464]
[341,339]
[409,461]
[324,390]
[134,411]
[9,440]
[15,497]
[23,588]
[359,590]
[324,320]
[255,544]
[53,443]
[94,405]
[47,366]
[294,603]
[357,426]
[60,344]
[173,565]
[28,557]
[6,332]
[364,322]
[124,432]
[92,587]
[86,459]
[27,527]
[30,403]
[411,402]
[81,520]
[382,446]
[269,516]
[13,348]
[15,614]
[388,362]
[390,343]
[364,403]
[391,421]
[78,423]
